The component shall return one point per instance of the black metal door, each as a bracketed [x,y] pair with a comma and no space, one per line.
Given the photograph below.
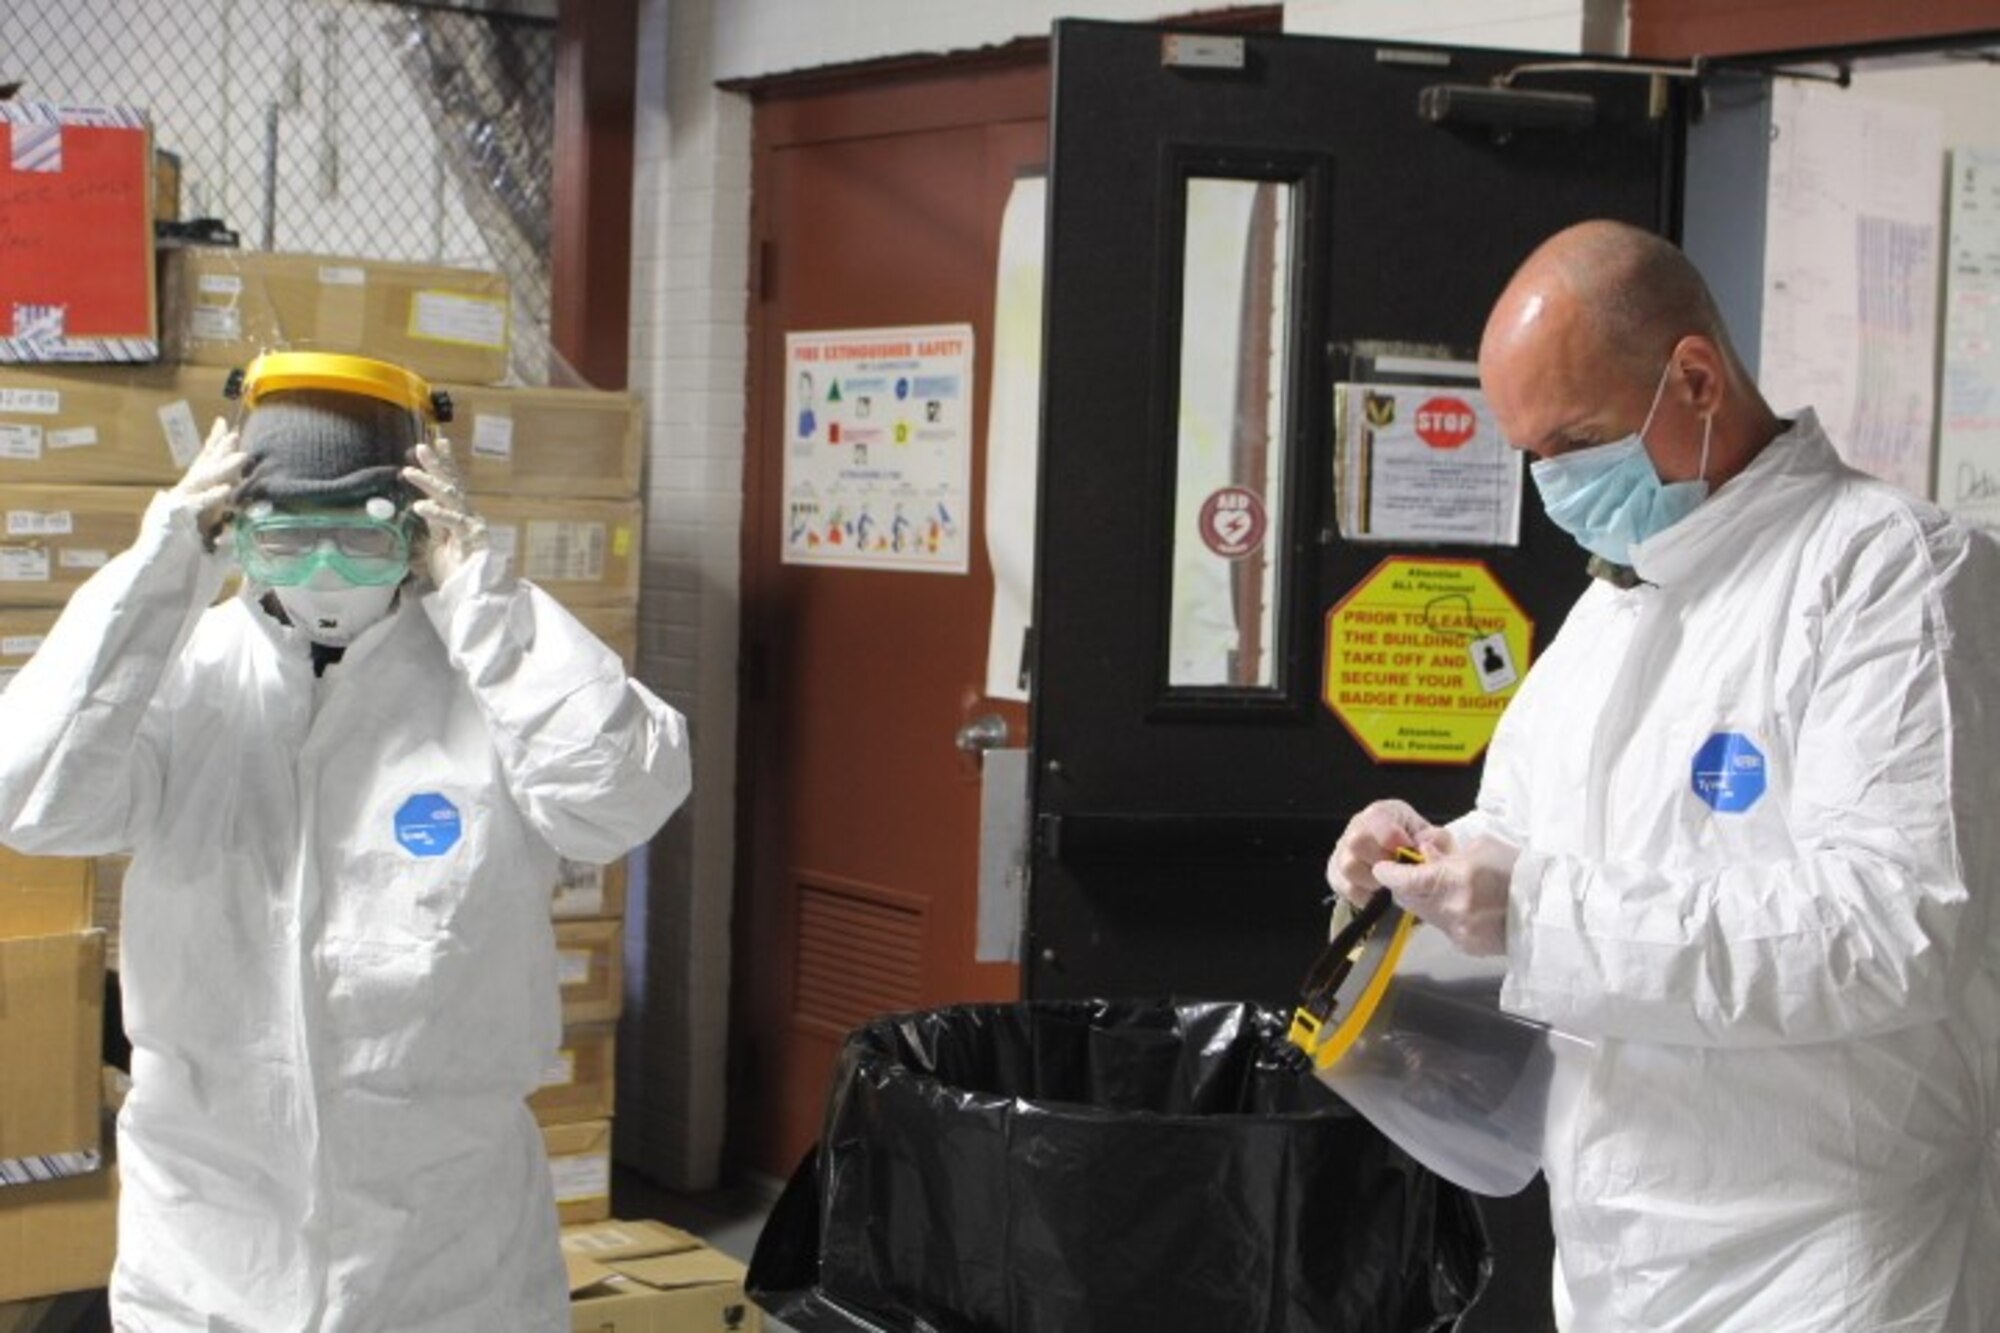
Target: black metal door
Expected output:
[1182,828]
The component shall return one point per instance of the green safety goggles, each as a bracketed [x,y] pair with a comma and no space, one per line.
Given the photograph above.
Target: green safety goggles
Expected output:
[283,550]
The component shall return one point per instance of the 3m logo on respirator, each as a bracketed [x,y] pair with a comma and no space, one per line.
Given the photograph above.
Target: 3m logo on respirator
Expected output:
[428,825]
[1729,772]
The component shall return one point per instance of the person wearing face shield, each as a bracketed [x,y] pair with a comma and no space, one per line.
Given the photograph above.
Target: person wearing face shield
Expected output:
[1736,828]
[345,790]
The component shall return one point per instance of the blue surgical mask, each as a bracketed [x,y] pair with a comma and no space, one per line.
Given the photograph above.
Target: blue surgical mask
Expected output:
[1610,497]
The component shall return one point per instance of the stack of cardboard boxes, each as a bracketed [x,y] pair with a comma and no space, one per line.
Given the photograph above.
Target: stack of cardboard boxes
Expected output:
[84,447]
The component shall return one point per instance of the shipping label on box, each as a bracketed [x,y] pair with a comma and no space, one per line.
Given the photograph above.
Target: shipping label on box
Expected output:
[52,538]
[582,1082]
[549,443]
[581,552]
[580,1169]
[585,892]
[223,307]
[105,425]
[76,216]
[51,1043]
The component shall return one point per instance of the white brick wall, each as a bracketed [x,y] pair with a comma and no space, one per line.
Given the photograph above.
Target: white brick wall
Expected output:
[690,269]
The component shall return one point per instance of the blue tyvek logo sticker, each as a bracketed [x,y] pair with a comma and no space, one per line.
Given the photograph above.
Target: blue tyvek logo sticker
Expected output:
[1729,772]
[428,825]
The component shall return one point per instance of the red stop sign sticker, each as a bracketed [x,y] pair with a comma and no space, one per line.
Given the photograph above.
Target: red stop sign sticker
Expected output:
[1446,423]
[1232,522]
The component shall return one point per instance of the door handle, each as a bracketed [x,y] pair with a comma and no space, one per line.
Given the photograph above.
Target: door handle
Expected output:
[986,732]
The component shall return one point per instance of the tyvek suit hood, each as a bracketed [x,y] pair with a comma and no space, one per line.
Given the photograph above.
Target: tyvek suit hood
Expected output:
[338,965]
[1756,795]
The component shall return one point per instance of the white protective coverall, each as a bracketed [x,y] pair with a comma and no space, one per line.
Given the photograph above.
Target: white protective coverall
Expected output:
[339,971]
[1782,944]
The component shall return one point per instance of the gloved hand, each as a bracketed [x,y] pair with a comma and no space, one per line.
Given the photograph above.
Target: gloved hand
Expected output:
[1462,893]
[457,533]
[205,490]
[1376,835]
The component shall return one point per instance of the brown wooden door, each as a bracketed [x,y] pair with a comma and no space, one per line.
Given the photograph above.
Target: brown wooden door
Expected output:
[876,206]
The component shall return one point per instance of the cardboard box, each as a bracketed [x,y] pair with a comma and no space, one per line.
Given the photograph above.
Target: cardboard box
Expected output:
[568,443]
[582,1085]
[223,306]
[105,425]
[647,1277]
[590,963]
[580,1165]
[107,902]
[22,630]
[51,1043]
[52,538]
[616,626]
[76,208]
[582,552]
[43,895]
[57,1236]
[587,892]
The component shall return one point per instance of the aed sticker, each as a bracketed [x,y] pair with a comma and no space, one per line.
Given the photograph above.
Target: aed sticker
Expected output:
[428,825]
[1422,657]
[1729,772]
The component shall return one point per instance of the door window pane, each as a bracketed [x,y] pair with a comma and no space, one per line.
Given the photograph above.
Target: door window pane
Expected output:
[1225,625]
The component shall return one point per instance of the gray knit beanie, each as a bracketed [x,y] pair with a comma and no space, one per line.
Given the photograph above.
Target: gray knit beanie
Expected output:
[318,446]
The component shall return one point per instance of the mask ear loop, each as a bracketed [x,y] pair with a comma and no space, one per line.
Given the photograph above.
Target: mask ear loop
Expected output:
[1707,430]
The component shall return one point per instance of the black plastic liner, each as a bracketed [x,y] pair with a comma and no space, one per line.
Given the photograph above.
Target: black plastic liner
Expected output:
[1106,1167]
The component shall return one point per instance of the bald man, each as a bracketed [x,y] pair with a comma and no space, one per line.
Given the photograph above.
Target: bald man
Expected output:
[1739,829]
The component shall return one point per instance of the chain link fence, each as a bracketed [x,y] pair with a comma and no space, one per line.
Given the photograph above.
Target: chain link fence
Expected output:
[340,127]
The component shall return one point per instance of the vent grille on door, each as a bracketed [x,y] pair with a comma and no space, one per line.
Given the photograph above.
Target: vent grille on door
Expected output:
[857,957]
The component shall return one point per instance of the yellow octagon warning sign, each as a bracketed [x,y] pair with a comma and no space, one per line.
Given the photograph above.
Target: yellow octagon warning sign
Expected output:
[1422,657]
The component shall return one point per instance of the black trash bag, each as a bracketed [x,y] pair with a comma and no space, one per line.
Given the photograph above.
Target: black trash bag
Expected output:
[1104,1167]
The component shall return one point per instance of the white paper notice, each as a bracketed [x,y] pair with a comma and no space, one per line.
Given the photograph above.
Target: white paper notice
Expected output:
[564,552]
[493,437]
[446,317]
[183,436]
[41,402]
[1969,414]
[587,1176]
[879,462]
[33,523]
[77,558]
[76,437]
[1425,463]
[24,564]
[20,444]
[1851,273]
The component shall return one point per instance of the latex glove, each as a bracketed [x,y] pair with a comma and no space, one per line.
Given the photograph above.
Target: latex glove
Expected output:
[1373,836]
[210,482]
[1462,893]
[456,531]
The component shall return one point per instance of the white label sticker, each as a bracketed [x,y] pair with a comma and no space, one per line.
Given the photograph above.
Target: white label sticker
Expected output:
[183,436]
[24,564]
[34,523]
[20,444]
[343,275]
[565,552]
[225,284]
[215,324]
[584,1176]
[580,892]
[74,438]
[72,558]
[20,645]
[561,1071]
[572,967]
[41,402]
[505,539]
[493,437]
[459,319]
